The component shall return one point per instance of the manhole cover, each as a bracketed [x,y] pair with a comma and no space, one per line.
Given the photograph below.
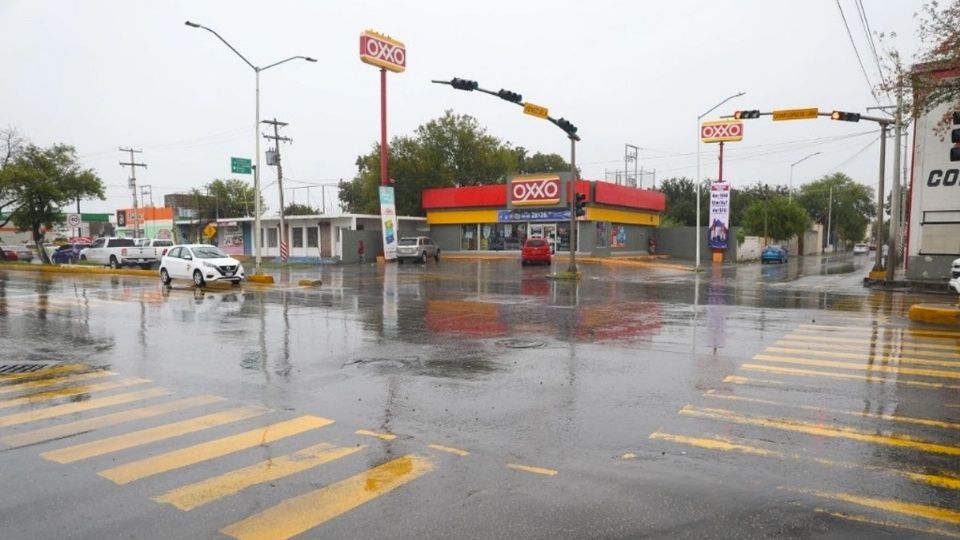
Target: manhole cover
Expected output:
[520,344]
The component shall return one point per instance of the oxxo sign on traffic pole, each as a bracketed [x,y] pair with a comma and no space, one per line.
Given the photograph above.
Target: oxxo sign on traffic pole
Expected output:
[720,131]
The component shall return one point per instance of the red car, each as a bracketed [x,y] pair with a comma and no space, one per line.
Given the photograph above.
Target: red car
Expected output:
[535,250]
[8,254]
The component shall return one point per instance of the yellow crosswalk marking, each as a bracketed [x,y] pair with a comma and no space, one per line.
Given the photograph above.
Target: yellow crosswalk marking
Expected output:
[949,481]
[934,373]
[896,359]
[449,450]
[150,435]
[381,436]
[737,379]
[69,391]
[43,383]
[45,372]
[532,469]
[809,428]
[887,523]
[935,513]
[877,349]
[833,375]
[299,514]
[863,414]
[97,422]
[916,345]
[879,329]
[206,491]
[176,459]
[71,408]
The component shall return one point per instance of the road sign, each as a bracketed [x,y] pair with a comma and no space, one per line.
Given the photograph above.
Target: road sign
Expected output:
[210,230]
[795,114]
[240,165]
[536,110]
[721,131]
[382,51]
[73,220]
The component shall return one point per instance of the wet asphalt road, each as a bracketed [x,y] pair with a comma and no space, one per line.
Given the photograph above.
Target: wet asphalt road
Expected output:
[477,399]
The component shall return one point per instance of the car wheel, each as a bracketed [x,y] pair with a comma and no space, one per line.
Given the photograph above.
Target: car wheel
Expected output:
[423,258]
[198,279]
[71,260]
[114,263]
[436,256]
[164,276]
[83,258]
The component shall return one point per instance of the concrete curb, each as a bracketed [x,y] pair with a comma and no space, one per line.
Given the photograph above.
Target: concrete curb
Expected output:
[941,314]
[60,269]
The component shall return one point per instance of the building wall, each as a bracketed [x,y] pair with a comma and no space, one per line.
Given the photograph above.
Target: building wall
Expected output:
[933,267]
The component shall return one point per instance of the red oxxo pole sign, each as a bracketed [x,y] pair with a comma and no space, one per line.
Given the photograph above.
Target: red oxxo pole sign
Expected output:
[389,55]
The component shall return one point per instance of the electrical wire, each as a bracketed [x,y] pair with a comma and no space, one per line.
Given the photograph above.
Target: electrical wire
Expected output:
[857,52]
[868,33]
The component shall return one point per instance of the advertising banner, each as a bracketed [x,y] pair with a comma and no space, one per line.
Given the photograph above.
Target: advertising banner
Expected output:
[388,219]
[507,216]
[719,216]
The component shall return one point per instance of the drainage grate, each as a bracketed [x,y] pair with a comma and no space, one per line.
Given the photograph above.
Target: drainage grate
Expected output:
[7,369]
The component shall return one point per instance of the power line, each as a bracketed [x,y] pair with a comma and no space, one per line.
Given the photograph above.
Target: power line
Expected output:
[857,52]
[868,33]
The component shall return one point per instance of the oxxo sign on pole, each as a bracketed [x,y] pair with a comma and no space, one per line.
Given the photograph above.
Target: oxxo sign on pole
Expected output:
[721,131]
[382,51]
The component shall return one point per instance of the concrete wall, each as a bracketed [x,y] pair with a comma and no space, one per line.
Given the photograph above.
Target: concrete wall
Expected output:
[372,243]
[680,243]
[934,267]
[446,236]
[750,249]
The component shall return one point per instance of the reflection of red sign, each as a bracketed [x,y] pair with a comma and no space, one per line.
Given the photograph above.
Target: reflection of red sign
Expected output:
[382,51]
[721,131]
[535,191]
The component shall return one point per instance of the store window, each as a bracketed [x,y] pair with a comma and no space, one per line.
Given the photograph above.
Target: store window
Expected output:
[312,237]
[297,237]
[272,237]
[602,228]
[563,236]
[468,237]
[489,235]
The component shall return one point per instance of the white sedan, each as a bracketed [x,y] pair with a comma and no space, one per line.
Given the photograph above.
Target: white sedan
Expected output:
[200,263]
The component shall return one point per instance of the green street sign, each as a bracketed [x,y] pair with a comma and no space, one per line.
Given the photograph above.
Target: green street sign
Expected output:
[240,165]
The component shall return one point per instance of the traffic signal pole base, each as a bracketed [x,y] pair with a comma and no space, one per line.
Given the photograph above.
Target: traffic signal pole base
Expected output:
[260,278]
[718,257]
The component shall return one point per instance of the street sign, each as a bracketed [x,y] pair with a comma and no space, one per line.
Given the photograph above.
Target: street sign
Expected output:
[382,51]
[721,131]
[73,220]
[795,114]
[210,230]
[240,165]
[536,110]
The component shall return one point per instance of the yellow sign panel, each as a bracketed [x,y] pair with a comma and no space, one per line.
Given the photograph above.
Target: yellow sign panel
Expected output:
[536,110]
[721,131]
[795,114]
[210,230]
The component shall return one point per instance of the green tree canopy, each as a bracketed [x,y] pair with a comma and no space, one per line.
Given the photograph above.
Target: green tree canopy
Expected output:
[40,181]
[682,200]
[298,209]
[232,197]
[853,207]
[777,218]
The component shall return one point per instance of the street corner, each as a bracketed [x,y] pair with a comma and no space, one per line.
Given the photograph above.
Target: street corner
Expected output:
[939,314]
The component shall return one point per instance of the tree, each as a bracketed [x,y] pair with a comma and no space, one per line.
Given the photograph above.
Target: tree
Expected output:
[682,201]
[776,217]
[232,197]
[11,146]
[42,181]
[539,162]
[297,209]
[853,207]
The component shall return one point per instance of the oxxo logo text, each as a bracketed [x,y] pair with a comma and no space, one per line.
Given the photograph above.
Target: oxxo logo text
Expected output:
[535,191]
[388,54]
[945,178]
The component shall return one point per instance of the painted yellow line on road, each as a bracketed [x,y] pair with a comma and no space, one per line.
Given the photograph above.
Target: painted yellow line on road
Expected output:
[853,355]
[302,513]
[6,403]
[176,459]
[381,436]
[875,349]
[449,450]
[532,469]
[897,370]
[897,342]
[97,422]
[936,513]
[188,497]
[629,455]
[737,379]
[45,372]
[863,414]
[833,375]
[877,329]
[150,435]
[809,428]
[43,383]
[887,523]
[72,408]
[946,480]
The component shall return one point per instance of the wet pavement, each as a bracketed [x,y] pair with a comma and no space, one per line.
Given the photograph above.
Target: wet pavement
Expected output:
[478,399]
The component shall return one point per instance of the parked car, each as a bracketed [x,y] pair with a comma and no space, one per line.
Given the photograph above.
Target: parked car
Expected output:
[200,263]
[861,248]
[773,253]
[535,250]
[417,248]
[68,253]
[160,246]
[118,252]
[955,276]
[9,253]
[20,253]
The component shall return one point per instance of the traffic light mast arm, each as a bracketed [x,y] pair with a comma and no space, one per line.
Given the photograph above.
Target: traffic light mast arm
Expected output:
[876,119]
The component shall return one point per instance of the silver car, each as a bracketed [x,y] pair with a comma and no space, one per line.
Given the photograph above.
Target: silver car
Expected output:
[417,248]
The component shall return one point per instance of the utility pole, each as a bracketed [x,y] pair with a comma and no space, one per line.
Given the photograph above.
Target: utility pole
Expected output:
[878,262]
[133,187]
[830,216]
[895,202]
[284,250]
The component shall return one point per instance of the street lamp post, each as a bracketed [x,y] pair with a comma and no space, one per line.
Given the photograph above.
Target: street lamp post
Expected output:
[790,192]
[697,186]
[256,138]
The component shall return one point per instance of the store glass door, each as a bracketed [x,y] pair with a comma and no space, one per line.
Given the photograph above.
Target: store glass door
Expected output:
[547,231]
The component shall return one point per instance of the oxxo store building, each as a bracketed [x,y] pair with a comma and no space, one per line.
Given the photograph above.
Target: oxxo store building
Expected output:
[499,217]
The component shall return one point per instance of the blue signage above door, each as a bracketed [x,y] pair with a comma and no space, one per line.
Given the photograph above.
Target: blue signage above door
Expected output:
[507,216]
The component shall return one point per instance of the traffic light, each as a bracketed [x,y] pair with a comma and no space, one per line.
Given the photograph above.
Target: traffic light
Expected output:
[464,84]
[580,205]
[565,125]
[845,116]
[745,115]
[507,95]
[955,137]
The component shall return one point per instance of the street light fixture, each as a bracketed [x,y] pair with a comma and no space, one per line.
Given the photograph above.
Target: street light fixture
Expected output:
[256,136]
[790,192]
[697,186]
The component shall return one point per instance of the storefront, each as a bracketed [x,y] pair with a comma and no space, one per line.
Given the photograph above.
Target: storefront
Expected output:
[501,217]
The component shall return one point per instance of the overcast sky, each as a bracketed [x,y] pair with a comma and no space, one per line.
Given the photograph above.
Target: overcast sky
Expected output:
[104,74]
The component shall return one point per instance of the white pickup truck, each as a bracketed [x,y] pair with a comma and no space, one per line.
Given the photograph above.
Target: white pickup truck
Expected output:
[161,247]
[118,252]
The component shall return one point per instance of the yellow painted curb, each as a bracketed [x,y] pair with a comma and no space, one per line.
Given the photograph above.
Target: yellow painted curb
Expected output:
[942,314]
[310,282]
[260,278]
[878,275]
[57,269]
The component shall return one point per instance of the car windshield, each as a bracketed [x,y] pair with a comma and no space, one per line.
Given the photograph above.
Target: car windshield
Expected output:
[208,252]
[774,247]
[122,242]
[407,242]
